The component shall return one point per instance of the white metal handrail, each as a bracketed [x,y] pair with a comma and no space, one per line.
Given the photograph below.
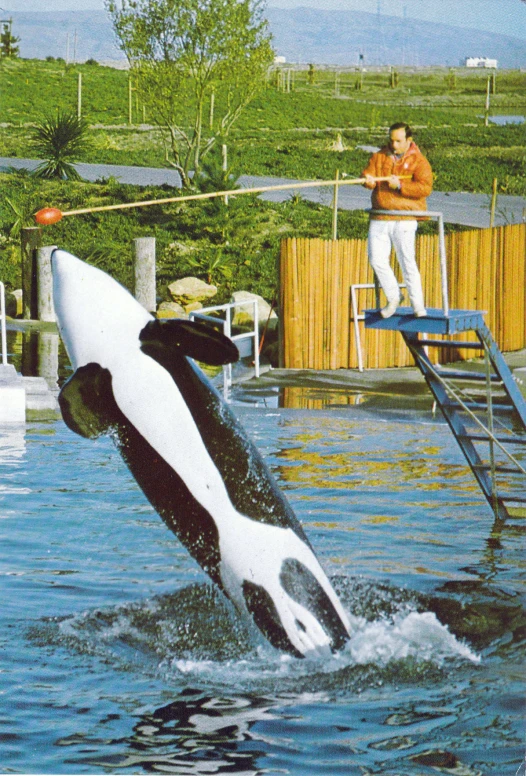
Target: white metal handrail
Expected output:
[360,317]
[436,216]
[227,331]
[3,336]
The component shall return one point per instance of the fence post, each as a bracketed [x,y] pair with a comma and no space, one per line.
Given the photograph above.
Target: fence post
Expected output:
[144,272]
[493,204]
[45,307]
[79,96]
[486,113]
[30,239]
[335,208]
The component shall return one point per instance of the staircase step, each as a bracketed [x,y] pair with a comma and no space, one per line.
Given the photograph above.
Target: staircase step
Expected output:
[473,405]
[450,344]
[498,469]
[453,374]
[503,440]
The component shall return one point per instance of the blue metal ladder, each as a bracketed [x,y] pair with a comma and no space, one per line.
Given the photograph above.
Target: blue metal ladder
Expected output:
[484,409]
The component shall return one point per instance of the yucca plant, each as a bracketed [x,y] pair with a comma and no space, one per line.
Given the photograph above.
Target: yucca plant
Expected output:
[60,140]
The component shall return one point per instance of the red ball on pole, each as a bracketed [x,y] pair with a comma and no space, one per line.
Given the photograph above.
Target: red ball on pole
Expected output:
[48,216]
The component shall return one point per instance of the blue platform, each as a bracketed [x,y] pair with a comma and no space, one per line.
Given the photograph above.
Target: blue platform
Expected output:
[435,322]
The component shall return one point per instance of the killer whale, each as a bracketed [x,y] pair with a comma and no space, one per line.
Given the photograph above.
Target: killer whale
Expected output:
[135,378]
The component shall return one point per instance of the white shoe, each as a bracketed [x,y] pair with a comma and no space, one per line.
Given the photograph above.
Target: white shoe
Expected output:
[389,309]
[420,312]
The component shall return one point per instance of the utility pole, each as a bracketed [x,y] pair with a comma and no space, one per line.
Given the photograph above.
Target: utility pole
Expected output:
[130,101]
[79,96]
[486,114]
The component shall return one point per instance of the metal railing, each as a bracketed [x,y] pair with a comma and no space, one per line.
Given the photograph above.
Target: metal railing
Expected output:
[226,324]
[361,317]
[436,216]
[3,336]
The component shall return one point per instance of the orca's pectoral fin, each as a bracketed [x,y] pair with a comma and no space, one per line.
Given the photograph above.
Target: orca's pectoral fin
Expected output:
[87,402]
[189,338]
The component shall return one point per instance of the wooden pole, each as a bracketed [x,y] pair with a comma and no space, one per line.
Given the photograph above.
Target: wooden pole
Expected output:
[212,104]
[79,96]
[130,102]
[335,208]
[233,192]
[144,271]
[224,164]
[45,307]
[30,240]
[493,204]
[486,114]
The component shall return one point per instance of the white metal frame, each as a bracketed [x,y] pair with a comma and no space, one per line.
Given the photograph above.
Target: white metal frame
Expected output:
[436,216]
[357,317]
[3,335]
[227,331]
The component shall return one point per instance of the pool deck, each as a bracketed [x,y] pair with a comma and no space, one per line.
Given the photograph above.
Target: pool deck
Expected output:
[401,381]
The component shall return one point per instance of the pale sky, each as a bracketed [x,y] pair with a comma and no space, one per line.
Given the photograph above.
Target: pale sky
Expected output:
[507,17]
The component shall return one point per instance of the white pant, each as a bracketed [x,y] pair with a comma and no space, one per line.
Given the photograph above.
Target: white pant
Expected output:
[401,235]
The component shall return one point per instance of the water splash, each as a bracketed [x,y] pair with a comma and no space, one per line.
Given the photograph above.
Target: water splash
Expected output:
[196,633]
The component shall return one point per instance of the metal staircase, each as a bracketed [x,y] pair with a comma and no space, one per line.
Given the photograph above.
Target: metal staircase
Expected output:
[482,403]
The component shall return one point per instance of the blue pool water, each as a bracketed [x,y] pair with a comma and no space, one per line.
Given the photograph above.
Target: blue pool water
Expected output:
[117,656]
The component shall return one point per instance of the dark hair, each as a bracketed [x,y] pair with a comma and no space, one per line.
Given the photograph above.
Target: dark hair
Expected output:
[402,125]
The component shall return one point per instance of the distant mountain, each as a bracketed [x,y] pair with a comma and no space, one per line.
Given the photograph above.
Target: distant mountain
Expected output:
[339,37]
[76,35]
[300,34]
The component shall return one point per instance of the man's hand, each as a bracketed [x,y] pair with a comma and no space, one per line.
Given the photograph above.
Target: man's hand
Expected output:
[394,182]
[370,182]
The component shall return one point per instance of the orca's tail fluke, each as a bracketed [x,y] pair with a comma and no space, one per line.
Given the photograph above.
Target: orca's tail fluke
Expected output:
[306,615]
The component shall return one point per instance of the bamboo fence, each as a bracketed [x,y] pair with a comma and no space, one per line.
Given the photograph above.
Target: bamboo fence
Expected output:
[486,271]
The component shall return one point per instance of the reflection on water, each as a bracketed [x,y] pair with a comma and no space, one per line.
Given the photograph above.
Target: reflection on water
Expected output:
[48,349]
[38,353]
[301,398]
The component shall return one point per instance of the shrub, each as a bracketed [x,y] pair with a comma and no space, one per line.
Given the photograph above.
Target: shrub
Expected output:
[60,140]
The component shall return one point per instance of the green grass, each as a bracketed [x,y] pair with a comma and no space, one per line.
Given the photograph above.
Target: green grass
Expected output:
[246,234]
[280,134]
[291,134]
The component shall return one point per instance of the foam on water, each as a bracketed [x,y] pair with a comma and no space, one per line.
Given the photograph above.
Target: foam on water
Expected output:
[417,634]
[196,633]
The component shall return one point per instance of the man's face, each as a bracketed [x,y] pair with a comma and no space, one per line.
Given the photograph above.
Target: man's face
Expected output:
[398,142]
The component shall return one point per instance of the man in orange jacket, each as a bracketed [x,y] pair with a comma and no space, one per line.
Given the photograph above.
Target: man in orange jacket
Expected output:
[401,157]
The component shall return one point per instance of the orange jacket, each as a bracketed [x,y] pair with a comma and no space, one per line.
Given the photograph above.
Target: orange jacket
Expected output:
[412,195]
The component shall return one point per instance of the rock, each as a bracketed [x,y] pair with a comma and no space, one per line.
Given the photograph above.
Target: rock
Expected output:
[190,289]
[244,314]
[171,310]
[13,303]
[338,145]
[192,307]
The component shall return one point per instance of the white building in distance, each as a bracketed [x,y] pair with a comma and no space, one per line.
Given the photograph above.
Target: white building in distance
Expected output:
[480,62]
